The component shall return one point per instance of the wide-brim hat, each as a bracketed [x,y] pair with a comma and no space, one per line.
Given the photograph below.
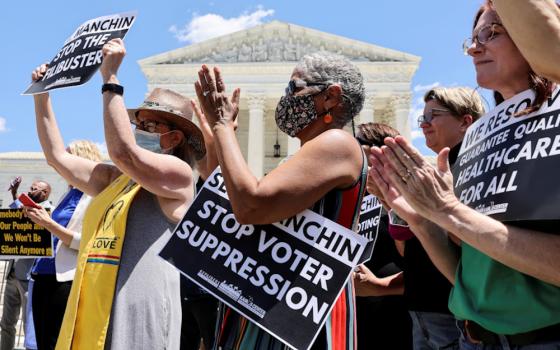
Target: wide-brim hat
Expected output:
[177,109]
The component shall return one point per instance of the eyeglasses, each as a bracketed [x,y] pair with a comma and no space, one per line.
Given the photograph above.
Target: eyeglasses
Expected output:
[149,125]
[294,85]
[429,116]
[36,189]
[484,35]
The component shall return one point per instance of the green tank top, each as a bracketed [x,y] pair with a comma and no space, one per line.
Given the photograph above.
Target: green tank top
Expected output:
[499,298]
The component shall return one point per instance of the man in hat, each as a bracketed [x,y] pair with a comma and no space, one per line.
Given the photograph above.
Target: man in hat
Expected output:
[124,296]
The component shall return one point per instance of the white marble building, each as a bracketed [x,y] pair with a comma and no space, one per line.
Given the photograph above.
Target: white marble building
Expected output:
[260,61]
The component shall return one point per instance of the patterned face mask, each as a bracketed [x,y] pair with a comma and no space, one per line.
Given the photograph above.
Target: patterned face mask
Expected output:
[295,113]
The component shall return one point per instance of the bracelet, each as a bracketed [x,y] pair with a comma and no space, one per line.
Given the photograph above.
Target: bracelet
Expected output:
[114,88]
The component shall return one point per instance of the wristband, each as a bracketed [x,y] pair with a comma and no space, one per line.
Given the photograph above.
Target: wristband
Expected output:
[114,88]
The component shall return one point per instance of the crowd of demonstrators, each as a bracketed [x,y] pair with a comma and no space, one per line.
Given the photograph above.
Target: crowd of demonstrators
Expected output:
[382,317]
[506,280]
[448,112]
[18,290]
[442,276]
[53,276]
[323,94]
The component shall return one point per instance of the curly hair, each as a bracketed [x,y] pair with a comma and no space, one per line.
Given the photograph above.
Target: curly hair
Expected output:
[330,68]
[85,149]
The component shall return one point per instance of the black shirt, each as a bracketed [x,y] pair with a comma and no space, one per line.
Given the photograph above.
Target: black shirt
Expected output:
[425,288]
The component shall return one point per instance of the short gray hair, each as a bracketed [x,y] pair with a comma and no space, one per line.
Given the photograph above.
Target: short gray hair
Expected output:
[327,67]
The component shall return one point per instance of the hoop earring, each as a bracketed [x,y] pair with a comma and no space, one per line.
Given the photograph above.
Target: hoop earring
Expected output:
[327,119]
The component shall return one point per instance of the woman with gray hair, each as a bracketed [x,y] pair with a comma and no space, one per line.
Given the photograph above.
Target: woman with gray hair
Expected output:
[326,175]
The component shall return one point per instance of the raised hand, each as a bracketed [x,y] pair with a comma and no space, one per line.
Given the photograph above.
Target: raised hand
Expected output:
[39,72]
[428,189]
[390,194]
[113,54]
[214,102]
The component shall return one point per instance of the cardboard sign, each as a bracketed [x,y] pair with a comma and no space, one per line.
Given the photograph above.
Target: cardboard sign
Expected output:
[370,214]
[508,167]
[21,238]
[81,55]
[285,277]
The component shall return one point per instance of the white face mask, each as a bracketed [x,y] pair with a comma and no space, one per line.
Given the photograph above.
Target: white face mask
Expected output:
[149,141]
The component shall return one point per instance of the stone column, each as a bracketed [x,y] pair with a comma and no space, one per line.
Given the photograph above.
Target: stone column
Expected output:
[293,145]
[367,114]
[400,104]
[255,149]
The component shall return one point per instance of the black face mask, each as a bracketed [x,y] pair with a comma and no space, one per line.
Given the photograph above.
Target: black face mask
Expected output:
[36,196]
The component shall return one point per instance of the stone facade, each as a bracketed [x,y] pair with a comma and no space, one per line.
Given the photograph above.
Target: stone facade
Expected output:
[260,61]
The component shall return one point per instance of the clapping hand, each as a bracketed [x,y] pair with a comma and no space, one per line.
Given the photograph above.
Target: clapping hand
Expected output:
[214,102]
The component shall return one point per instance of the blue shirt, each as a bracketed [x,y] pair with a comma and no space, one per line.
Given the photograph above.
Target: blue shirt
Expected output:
[61,215]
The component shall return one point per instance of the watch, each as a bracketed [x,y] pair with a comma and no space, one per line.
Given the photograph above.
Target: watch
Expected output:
[115,88]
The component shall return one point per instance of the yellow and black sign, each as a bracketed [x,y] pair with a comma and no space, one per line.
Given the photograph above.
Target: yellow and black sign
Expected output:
[21,238]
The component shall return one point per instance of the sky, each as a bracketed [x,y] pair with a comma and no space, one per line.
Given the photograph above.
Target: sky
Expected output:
[32,34]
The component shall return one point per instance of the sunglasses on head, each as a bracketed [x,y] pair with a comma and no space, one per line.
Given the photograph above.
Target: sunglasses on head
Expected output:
[295,85]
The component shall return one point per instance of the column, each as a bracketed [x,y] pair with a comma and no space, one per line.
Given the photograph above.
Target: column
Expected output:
[367,114]
[293,145]
[400,104]
[255,149]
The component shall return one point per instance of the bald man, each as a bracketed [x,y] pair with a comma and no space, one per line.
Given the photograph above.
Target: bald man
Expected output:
[16,280]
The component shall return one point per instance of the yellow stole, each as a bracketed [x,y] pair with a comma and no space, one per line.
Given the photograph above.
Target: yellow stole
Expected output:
[87,314]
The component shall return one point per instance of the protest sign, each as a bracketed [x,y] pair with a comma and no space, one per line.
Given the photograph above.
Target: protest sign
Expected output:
[370,214]
[21,238]
[507,166]
[285,277]
[81,55]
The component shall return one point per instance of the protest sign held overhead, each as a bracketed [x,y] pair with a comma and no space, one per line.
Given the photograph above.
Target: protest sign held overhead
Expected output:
[21,238]
[285,276]
[500,156]
[81,55]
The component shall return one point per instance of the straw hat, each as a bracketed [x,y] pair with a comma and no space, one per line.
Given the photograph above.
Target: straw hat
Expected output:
[175,108]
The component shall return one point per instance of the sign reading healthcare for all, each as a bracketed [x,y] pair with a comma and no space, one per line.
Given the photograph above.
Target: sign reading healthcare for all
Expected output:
[508,167]
[285,276]
[81,54]
[21,238]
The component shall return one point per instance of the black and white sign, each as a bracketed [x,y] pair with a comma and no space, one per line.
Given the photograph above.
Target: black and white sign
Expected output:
[370,213]
[508,167]
[21,238]
[81,55]
[285,277]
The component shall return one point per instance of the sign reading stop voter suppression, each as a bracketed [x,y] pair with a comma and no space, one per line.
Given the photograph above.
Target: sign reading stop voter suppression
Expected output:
[285,276]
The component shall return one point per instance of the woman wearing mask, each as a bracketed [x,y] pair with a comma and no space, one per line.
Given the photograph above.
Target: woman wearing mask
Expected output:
[124,296]
[326,175]
[506,277]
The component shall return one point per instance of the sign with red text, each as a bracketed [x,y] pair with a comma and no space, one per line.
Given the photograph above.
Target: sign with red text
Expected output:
[285,277]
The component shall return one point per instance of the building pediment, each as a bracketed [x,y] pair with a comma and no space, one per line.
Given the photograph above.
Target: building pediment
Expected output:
[276,42]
